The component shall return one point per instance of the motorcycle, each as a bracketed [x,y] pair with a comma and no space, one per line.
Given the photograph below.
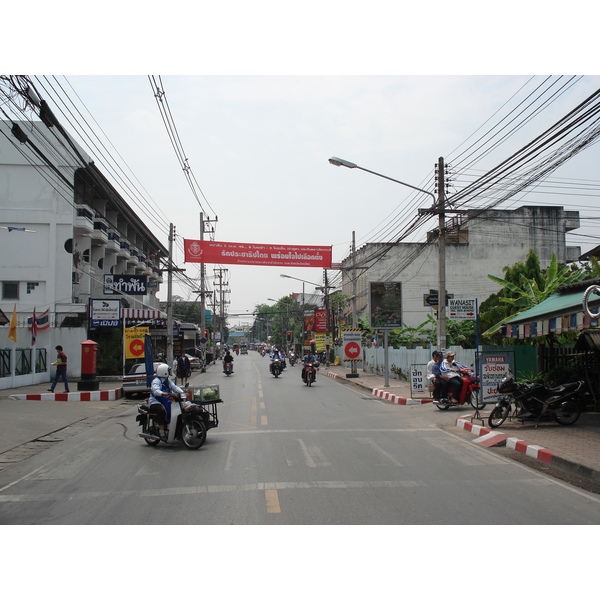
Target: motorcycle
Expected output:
[469,392]
[275,367]
[228,368]
[189,423]
[532,401]
[309,373]
[292,358]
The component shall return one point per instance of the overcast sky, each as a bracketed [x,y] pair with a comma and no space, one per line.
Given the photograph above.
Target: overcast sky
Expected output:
[258,139]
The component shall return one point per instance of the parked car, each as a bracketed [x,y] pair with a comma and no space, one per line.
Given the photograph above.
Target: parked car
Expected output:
[195,362]
[135,381]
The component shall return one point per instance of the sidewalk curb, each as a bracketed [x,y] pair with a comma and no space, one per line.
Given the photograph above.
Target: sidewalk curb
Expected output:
[101,395]
[399,399]
[486,435]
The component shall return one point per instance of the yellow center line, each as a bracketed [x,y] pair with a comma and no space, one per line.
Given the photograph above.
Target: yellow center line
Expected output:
[272,501]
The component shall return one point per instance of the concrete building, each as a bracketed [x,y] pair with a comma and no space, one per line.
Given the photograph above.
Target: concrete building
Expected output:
[65,228]
[478,243]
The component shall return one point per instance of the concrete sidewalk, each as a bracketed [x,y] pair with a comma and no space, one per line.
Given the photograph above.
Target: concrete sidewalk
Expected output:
[575,449]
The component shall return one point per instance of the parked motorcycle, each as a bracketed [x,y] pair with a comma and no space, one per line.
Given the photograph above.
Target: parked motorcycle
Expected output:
[276,367]
[469,392]
[189,423]
[533,401]
[309,373]
[228,368]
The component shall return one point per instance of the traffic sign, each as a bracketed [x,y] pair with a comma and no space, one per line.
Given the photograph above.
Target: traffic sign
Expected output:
[351,340]
[134,341]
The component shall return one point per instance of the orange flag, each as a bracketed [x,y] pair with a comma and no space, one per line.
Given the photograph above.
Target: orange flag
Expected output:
[12,332]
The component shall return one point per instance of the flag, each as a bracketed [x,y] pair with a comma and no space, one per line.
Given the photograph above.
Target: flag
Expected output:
[43,320]
[12,332]
[375,339]
[33,328]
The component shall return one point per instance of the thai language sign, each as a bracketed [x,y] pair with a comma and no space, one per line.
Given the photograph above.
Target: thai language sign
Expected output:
[494,369]
[133,285]
[233,253]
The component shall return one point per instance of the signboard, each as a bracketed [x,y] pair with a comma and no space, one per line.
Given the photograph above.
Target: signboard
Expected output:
[494,368]
[385,304]
[105,313]
[320,321]
[431,299]
[320,342]
[233,253]
[351,342]
[133,341]
[132,285]
[461,309]
[418,379]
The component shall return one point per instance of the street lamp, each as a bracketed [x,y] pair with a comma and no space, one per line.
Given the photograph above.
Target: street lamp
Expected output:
[439,208]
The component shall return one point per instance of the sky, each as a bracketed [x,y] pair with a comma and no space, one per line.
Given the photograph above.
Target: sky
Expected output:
[258,122]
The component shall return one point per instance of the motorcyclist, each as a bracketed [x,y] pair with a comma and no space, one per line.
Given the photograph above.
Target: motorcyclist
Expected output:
[450,371]
[434,375]
[308,358]
[228,359]
[160,397]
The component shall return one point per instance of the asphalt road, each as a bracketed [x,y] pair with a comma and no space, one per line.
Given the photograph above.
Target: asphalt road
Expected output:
[286,454]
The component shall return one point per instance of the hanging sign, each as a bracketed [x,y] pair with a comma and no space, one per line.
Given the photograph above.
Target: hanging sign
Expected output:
[233,253]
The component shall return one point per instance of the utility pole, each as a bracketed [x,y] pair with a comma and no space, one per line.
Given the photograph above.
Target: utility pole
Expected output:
[441,210]
[170,297]
[354,314]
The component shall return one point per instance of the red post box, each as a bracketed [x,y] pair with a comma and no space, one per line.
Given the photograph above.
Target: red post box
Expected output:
[89,381]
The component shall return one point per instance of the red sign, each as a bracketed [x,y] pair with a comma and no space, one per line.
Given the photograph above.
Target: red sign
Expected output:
[136,348]
[320,321]
[232,253]
[352,350]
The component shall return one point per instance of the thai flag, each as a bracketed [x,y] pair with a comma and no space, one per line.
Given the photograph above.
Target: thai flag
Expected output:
[375,339]
[43,320]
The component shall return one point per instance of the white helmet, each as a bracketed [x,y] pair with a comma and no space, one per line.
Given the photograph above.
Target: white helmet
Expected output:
[162,371]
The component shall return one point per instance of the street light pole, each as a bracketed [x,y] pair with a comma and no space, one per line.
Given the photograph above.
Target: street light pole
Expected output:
[439,207]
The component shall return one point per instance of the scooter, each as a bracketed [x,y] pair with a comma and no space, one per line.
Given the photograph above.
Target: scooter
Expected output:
[189,423]
[469,392]
[533,401]
[228,368]
[275,367]
[292,357]
[309,373]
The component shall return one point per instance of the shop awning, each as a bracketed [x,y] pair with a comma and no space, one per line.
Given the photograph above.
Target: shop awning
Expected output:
[142,313]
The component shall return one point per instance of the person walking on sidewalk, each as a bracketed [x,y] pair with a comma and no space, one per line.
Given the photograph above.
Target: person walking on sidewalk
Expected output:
[61,369]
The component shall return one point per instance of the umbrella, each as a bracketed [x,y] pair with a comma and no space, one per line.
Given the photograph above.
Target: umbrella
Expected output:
[148,359]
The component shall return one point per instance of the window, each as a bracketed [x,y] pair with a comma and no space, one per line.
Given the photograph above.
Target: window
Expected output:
[10,290]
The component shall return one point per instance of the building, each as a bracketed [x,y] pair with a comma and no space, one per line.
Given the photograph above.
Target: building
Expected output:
[478,243]
[68,239]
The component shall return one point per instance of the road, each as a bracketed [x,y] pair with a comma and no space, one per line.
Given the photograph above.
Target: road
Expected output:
[287,454]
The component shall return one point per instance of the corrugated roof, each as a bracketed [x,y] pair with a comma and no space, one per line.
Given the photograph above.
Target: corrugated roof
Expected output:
[554,306]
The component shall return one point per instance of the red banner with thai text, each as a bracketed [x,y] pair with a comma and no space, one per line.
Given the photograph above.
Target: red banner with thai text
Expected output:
[232,253]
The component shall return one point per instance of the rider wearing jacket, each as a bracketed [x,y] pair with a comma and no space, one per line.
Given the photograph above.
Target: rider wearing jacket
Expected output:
[160,402]
[450,371]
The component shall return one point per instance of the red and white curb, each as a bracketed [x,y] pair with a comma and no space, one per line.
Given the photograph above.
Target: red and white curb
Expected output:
[489,437]
[398,399]
[97,396]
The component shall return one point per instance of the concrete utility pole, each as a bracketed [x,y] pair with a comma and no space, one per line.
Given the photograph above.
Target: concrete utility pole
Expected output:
[353,372]
[441,210]
[170,297]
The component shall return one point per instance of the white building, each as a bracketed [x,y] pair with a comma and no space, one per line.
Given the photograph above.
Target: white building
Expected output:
[78,229]
[478,243]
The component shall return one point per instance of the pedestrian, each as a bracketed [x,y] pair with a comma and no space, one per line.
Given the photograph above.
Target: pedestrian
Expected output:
[184,369]
[61,369]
